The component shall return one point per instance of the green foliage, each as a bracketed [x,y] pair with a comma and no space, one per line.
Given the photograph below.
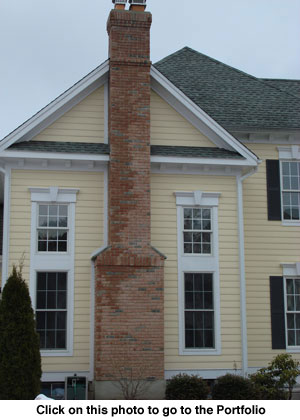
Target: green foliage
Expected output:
[276,382]
[233,387]
[186,387]
[20,361]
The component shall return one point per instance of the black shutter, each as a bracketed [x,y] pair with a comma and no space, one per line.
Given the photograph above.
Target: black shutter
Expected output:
[277,313]
[273,189]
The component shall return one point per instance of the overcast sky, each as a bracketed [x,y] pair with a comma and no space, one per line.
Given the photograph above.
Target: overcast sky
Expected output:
[47,46]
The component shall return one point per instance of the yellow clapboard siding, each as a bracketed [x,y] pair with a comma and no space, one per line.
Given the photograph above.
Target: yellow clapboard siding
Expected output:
[83,123]
[88,234]
[267,245]
[164,238]
[169,128]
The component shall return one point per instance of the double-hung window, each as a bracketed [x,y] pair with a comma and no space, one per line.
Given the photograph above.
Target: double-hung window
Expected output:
[51,309]
[292,308]
[199,310]
[290,181]
[197,230]
[52,228]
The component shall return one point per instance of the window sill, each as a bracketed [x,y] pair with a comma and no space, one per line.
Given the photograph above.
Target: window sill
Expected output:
[56,353]
[290,223]
[293,350]
[200,352]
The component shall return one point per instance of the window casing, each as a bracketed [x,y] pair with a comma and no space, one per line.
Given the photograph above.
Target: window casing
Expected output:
[199,311]
[52,255]
[51,309]
[292,309]
[290,189]
[198,274]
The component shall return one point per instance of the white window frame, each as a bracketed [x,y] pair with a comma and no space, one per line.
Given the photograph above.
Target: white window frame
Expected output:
[54,261]
[49,228]
[290,349]
[287,154]
[287,222]
[198,263]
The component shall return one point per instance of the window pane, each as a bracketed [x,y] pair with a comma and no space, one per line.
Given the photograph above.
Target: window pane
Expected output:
[50,339]
[208,282]
[199,319]
[62,246]
[199,300]
[206,225]
[43,210]
[198,282]
[297,286]
[188,213]
[50,321]
[188,224]
[61,281]
[52,246]
[61,339]
[208,339]
[189,300]
[189,320]
[291,337]
[297,302]
[297,321]
[197,213]
[290,303]
[189,338]
[297,337]
[63,222]
[197,248]
[52,285]
[188,281]
[208,300]
[63,210]
[41,281]
[188,248]
[294,168]
[42,246]
[285,168]
[206,214]
[40,320]
[199,339]
[197,224]
[61,320]
[187,237]
[290,286]
[42,339]
[206,249]
[286,183]
[208,320]
[42,221]
[291,321]
[53,210]
[41,300]
[61,300]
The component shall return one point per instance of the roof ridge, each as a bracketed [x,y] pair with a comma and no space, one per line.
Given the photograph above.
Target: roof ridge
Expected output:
[260,80]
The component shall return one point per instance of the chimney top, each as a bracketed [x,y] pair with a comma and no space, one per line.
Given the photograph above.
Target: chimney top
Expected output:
[119,4]
[138,5]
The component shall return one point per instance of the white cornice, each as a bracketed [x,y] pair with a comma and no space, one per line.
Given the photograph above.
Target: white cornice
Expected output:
[289,152]
[196,116]
[58,107]
[278,137]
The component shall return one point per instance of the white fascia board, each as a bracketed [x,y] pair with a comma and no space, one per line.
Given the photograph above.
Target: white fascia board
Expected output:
[56,156]
[202,161]
[197,117]
[58,107]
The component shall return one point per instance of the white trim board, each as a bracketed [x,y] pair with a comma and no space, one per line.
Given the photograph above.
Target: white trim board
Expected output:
[58,107]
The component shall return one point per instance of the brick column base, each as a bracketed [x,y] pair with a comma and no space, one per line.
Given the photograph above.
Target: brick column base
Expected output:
[129,315]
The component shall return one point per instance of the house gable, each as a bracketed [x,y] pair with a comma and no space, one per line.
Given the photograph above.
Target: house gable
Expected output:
[85,122]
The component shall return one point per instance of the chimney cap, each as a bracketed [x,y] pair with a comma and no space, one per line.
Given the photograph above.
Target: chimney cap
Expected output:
[119,1]
[138,5]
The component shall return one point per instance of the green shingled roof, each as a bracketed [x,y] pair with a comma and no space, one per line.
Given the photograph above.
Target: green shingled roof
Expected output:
[289,86]
[194,152]
[236,100]
[100,149]
[62,147]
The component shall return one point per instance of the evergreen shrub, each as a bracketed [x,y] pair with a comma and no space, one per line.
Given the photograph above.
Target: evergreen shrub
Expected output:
[20,361]
[186,387]
[233,387]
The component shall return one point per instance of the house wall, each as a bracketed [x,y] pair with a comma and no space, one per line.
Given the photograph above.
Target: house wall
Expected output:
[267,245]
[88,237]
[169,128]
[83,123]
[164,237]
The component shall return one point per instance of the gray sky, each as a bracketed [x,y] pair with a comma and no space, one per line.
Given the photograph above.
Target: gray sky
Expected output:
[47,46]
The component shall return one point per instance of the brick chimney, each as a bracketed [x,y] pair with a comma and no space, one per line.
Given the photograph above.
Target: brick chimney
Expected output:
[129,273]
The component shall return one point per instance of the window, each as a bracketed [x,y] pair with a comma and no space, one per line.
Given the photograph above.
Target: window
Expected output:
[199,310]
[51,310]
[290,175]
[54,390]
[197,230]
[292,306]
[52,228]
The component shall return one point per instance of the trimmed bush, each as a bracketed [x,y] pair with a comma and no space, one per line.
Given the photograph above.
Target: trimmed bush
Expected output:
[20,360]
[233,387]
[186,387]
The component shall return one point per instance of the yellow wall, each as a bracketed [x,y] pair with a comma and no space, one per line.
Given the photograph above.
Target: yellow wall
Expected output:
[267,245]
[164,237]
[83,123]
[169,128]
[88,237]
